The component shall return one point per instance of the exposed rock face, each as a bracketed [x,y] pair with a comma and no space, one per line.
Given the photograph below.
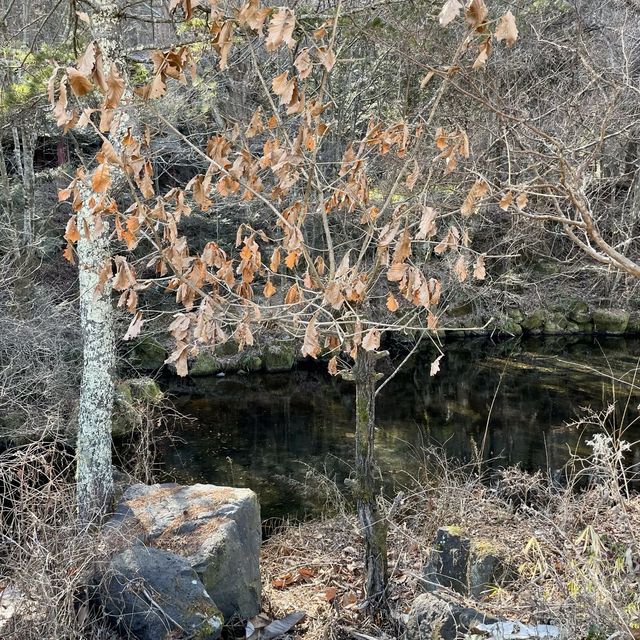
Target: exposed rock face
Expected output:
[148,355]
[156,595]
[215,529]
[470,567]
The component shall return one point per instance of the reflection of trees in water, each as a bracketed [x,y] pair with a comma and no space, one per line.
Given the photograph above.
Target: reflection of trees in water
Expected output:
[267,424]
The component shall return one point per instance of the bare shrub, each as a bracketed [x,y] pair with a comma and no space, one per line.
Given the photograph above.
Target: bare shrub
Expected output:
[39,361]
[47,564]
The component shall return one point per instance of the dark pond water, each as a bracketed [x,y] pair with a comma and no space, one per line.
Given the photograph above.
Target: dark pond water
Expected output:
[266,431]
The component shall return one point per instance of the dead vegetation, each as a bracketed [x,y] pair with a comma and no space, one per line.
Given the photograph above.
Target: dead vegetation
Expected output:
[572,549]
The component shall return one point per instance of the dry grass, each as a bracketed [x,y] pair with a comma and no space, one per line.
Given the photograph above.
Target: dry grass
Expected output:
[574,552]
[47,563]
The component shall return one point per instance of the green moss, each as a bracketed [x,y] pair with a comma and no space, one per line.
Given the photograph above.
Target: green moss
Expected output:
[453,530]
[481,547]
[206,364]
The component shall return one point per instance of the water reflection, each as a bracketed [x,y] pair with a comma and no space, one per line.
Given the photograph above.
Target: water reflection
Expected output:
[265,431]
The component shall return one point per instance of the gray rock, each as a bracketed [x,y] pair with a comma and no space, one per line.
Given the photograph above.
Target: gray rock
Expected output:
[130,394]
[610,321]
[579,312]
[205,364]
[555,323]
[148,355]
[279,357]
[155,595]
[449,561]
[216,529]
[633,326]
[510,327]
[470,567]
[534,321]
[432,617]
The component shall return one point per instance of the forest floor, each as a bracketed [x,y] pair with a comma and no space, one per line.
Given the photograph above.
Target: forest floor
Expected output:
[574,558]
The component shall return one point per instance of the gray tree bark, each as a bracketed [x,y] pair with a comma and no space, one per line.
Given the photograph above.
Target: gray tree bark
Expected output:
[94,473]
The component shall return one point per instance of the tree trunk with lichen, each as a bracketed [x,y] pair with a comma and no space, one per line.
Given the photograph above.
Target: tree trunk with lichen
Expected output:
[372,523]
[94,472]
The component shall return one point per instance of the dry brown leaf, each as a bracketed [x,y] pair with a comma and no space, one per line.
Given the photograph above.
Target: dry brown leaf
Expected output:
[283,87]
[86,62]
[460,268]
[412,178]
[71,233]
[427,227]
[392,303]
[269,289]
[521,201]
[275,259]
[449,12]
[506,201]
[281,30]
[79,83]
[293,295]
[371,341]
[135,326]
[483,56]
[506,29]
[303,64]
[327,57]
[435,365]
[311,345]
[476,14]
[101,180]
[252,16]
[115,88]
[479,272]
[256,126]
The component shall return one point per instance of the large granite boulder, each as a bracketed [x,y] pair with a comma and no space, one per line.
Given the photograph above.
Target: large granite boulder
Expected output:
[215,529]
[155,595]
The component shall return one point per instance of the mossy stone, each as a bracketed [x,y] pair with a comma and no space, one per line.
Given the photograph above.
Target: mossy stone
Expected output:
[145,389]
[226,349]
[515,314]
[633,326]
[205,364]
[555,323]
[126,414]
[610,321]
[534,321]
[579,312]
[279,357]
[462,309]
[250,362]
[148,355]
[510,327]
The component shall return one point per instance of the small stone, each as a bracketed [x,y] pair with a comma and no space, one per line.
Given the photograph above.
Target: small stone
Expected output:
[279,357]
[534,321]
